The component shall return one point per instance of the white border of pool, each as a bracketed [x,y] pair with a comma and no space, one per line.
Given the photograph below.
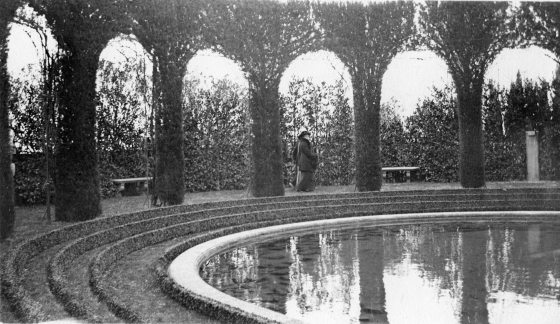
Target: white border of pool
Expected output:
[185,269]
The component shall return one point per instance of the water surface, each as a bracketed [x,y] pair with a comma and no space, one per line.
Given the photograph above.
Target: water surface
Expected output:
[452,273]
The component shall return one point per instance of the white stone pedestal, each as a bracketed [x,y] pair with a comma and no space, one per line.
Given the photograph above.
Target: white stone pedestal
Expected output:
[532,145]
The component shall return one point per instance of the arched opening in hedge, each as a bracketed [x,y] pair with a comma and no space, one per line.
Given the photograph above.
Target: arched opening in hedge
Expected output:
[519,96]
[411,77]
[417,110]
[316,95]
[33,70]
[532,62]
[217,124]
[124,114]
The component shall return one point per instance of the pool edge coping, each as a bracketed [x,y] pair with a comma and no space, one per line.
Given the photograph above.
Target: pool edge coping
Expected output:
[184,270]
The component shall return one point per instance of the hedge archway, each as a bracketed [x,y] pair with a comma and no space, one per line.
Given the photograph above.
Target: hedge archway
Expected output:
[264,36]
[82,31]
[366,38]
[468,36]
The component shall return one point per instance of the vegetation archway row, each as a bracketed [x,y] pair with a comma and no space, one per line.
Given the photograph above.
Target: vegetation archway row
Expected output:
[264,36]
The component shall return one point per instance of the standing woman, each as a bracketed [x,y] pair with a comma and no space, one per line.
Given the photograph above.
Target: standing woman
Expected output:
[306,163]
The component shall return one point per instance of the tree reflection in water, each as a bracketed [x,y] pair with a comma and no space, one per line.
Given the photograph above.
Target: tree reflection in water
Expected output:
[474,273]
[372,288]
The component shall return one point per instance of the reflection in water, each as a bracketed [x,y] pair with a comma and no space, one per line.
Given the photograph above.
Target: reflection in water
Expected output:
[473,306]
[534,238]
[325,272]
[372,288]
[455,273]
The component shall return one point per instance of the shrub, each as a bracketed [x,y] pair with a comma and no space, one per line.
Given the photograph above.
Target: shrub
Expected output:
[216,141]
[394,146]
[433,139]
[29,179]
[504,156]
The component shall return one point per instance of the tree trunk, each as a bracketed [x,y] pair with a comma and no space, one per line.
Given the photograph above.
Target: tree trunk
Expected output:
[7,211]
[170,183]
[77,176]
[367,97]
[267,177]
[471,147]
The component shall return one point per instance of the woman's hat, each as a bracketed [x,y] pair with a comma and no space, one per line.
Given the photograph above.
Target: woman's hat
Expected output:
[304,133]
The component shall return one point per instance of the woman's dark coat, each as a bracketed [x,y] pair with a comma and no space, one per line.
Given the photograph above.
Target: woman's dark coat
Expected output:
[306,158]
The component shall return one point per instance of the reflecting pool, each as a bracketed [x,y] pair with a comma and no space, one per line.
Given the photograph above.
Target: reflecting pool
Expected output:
[439,273]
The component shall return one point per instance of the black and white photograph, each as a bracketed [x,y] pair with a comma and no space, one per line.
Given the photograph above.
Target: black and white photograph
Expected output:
[280,161]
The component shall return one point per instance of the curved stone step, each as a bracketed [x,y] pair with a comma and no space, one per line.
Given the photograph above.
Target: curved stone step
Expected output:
[131,281]
[203,219]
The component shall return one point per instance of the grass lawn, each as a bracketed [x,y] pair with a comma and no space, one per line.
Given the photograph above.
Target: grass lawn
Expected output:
[30,220]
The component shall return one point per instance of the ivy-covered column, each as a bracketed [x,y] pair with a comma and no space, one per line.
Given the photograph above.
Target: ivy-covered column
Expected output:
[366,38]
[170,183]
[267,174]
[82,30]
[77,176]
[468,36]
[367,98]
[171,30]
[7,211]
[471,145]
[264,37]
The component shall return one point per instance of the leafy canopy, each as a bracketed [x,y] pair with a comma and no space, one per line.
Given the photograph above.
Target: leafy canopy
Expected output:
[540,24]
[467,35]
[374,33]
[263,36]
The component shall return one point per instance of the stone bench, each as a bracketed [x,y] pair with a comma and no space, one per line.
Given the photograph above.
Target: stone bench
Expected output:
[132,186]
[407,170]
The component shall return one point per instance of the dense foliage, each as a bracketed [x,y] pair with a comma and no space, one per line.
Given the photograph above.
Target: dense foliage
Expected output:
[540,24]
[504,152]
[431,139]
[29,139]
[217,136]
[124,129]
[393,142]
[34,108]
[528,107]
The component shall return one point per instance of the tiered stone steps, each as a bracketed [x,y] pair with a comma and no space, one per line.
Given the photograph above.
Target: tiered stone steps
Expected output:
[92,253]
